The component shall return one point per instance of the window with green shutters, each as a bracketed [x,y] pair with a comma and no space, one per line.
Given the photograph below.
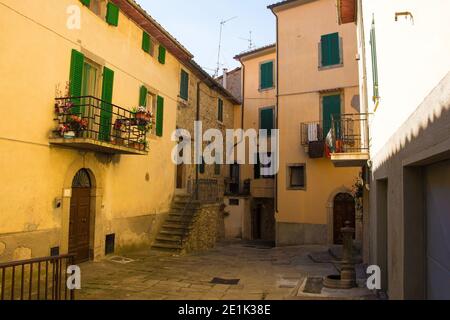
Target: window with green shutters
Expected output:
[184,85]
[266,120]
[146,42]
[106,112]
[373,45]
[162,55]
[220,110]
[143,96]
[330,50]
[266,75]
[112,14]
[331,110]
[159,116]
[76,79]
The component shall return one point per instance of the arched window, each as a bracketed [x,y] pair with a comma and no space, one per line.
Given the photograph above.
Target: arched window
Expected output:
[82,179]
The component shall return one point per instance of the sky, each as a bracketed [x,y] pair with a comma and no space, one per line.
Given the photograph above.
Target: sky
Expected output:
[196,24]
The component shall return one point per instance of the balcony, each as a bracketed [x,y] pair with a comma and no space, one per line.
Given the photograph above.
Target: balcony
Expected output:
[262,188]
[89,123]
[344,140]
[348,140]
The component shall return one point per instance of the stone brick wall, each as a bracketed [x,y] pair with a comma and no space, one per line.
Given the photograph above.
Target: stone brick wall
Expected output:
[234,82]
[204,229]
[186,115]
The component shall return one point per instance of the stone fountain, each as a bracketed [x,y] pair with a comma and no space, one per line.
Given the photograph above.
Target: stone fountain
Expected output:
[347,277]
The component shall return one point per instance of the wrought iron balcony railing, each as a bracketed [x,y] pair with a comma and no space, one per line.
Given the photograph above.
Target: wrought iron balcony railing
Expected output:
[349,133]
[88,122]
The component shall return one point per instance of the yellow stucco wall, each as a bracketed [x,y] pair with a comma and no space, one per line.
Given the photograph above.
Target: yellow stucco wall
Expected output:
[35,57]
[301,84]
[254,98]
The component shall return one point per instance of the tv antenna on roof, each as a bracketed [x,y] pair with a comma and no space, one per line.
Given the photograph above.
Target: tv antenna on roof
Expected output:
[222,23]
[249,40]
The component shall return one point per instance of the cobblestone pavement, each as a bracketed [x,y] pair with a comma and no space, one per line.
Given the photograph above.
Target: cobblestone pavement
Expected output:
[264,273]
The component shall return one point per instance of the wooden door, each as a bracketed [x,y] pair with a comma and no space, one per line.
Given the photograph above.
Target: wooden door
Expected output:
[79,227]
[180,171]
[343,210]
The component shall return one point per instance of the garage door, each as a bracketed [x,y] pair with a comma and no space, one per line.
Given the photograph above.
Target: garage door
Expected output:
[438,230]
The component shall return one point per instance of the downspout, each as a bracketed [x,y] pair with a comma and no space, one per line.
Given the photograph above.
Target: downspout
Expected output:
[197,118]
[277,111]
[365,101]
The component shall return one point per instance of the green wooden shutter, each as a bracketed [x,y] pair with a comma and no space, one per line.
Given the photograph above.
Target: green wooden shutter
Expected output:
[184,85]
[143,96]
[220,110]
[330,49]
[106,112]
[331,108]
[76,79]
[160,116]
[162,55]
[112,14]
[266,74]
[146,42]
[87,3]
[373,45]
[266,120]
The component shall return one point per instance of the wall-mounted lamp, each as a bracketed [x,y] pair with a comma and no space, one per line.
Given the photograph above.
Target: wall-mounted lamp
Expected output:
[405,14]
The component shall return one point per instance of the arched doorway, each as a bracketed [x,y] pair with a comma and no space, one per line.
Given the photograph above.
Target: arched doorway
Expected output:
[343,210]
[80,216]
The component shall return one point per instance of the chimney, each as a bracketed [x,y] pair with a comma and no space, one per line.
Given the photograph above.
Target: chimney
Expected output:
[224,78]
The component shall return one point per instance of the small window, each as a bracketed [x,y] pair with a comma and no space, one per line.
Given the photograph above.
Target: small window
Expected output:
[261,167]
[162,54]
[110,244]
[330,50]
[266,75]
[147,43]
[184,85]
[233,202]
[220,110]
[266,120]
[297,177]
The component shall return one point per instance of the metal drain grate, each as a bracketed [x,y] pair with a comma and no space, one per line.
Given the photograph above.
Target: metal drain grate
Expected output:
[231,282]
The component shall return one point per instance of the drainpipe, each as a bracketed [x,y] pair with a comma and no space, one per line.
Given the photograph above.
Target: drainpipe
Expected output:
[277,110]
[364,100]
[197,118]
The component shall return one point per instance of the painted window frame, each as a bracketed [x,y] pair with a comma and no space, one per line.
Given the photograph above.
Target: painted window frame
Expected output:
[289,185]
[274,76]
[341,56]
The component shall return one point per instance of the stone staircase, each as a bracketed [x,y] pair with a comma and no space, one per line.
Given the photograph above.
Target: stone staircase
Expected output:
[177,225]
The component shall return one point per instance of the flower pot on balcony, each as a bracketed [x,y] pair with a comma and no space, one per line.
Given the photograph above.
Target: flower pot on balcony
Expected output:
[69,135]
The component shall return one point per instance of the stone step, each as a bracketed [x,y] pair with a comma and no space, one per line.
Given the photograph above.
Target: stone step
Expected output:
[176,226]
[167,247]
[169,238]
[173,232]
[184,219]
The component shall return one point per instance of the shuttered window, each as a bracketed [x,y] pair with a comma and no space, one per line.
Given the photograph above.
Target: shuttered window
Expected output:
[266,75]
[143,96]
[112,14]
[220,110]
[76,78]
[146,42]
[373,44]
[184,85]
[330,50]
[266,120]
[160,116]
[162,55]
[106,112]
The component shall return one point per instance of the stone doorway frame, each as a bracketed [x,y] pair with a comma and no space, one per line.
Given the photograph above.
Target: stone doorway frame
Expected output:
[96,241]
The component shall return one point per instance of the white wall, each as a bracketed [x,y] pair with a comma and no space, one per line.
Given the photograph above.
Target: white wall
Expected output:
[412,59]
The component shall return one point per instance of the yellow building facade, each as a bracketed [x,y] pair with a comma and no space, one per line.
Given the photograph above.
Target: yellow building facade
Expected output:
[120,187]
[317,81]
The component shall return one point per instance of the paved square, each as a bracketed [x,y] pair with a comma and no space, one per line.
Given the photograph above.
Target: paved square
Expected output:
[264,273]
